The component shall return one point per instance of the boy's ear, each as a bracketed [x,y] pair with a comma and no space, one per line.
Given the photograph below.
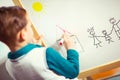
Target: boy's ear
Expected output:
[22,36]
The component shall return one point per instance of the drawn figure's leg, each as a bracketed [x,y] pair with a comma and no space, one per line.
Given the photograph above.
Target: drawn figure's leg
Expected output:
[99,45]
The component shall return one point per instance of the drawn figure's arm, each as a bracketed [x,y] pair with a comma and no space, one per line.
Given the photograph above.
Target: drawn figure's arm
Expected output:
[111,30]
[117,22]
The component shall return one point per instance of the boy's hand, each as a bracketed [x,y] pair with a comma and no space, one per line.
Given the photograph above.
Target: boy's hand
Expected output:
[68,41]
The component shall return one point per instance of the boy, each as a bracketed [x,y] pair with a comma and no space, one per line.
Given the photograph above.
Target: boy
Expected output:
[28,61]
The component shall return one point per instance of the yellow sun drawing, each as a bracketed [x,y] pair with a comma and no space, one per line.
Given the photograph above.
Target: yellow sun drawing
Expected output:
[37,6]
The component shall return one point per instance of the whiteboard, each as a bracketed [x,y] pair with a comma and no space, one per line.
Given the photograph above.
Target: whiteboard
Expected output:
[96,23]
[90,20]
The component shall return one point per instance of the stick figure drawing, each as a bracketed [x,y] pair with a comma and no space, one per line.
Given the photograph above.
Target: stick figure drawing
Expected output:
[97,42]
[115,27]
[107,36]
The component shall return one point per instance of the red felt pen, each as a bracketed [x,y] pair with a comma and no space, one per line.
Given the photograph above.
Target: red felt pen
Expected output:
[61,42]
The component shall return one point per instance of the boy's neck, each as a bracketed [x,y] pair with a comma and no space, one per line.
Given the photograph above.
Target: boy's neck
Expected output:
[16,47]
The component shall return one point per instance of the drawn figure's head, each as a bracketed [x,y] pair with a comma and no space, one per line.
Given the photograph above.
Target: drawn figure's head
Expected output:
[91,31]
[112,21]
[104,32]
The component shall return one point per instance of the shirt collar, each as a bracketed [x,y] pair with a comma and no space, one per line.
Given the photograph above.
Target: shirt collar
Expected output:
[22,51]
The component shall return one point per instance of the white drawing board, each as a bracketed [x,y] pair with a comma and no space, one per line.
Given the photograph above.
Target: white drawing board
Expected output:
[96,23]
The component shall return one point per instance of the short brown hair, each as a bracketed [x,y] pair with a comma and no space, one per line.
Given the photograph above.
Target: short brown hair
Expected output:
[12,20]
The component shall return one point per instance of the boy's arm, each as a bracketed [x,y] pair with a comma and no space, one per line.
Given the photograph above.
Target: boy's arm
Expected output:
[66,67]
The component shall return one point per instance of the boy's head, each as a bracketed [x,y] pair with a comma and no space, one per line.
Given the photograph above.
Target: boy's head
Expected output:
[15,26]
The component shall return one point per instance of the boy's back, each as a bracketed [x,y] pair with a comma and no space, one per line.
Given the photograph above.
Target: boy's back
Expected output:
[32,65]
[27,67]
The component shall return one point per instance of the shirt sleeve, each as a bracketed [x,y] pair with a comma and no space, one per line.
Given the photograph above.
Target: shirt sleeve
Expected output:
[67,67]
